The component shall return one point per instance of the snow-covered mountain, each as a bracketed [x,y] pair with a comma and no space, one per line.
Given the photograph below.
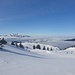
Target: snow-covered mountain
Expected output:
[15,35]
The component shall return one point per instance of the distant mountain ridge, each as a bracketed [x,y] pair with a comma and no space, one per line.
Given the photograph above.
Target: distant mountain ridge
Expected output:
[70,39]
[16,35]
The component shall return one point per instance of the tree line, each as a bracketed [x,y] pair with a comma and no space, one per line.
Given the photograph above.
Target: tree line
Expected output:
[3,41]
[16,44]
[44,48]
[19,44]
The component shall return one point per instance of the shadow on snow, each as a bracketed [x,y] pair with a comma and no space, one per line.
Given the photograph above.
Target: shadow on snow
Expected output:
[4,50]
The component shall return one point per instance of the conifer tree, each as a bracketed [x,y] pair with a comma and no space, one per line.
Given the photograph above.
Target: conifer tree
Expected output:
[33,46]
[44,48]
[1,45]
[51,49]
[20,45]
[3,41]
[16,45]
[12,43]
[38,47]
[48,48]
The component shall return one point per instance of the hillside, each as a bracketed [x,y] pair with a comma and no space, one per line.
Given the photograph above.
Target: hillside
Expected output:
[16,61]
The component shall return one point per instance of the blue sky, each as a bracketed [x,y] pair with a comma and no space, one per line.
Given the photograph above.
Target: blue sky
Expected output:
[37,17]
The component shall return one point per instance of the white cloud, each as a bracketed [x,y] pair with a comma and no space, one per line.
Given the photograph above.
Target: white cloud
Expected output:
[15,2]
[14,18]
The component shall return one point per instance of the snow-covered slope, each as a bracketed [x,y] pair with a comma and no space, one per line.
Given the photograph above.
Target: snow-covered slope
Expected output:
[16,61]
[71,50]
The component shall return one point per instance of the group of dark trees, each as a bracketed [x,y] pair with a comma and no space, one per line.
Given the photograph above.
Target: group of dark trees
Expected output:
[36,47]
[2,41]
[16,44]
[44,48]
[19,44]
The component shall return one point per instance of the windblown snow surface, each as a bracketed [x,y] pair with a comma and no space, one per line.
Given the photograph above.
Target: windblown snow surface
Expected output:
[16,61]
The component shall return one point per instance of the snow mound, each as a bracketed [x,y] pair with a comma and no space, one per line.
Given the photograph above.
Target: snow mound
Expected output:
[71,48]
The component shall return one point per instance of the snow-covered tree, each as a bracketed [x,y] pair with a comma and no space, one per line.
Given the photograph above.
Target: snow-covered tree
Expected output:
[16,44]
[48,48]
[3,41]
[33,46]
[1,45]
[51,49]
[12,43]
[38,47]
[20,45]
[44,48]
